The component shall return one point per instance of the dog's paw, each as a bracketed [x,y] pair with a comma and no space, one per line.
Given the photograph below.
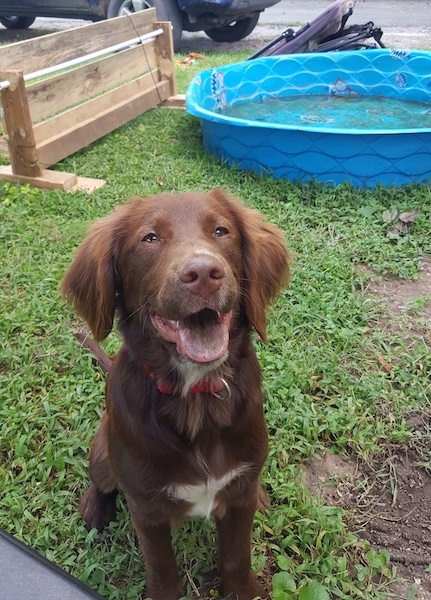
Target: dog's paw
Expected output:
[97,509]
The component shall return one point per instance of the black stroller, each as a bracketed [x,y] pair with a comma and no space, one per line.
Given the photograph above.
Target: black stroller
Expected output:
[326,32]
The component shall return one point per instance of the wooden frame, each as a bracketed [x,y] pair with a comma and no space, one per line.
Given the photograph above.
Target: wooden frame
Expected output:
[59,114]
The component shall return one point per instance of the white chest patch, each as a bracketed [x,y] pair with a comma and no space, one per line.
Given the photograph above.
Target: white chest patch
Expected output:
[202,496]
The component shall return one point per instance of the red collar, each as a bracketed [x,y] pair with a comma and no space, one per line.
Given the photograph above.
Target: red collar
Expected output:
[202,386]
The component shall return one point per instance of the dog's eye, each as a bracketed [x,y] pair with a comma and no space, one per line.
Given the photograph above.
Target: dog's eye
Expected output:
[221,231]
[150,238]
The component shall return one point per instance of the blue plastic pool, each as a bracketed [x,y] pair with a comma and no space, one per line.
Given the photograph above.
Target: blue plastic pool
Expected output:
[364,154]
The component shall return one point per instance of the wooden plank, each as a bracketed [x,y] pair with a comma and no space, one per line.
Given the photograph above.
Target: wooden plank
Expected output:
[47,50]
[53,95]
[164,55]
[46,179]
[57,180]
[90,109]
[82,133]
[19,128]
[177,101]
[88,184]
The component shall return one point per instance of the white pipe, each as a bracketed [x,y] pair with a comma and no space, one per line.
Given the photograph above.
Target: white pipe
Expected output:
[143,39]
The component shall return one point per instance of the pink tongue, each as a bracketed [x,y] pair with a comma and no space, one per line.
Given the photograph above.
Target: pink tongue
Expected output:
[203,345]
[200,344]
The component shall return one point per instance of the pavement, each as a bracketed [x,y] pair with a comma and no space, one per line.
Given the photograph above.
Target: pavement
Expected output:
[394,14]
[405,23]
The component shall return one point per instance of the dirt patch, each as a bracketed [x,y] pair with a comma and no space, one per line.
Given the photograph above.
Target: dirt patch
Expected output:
[408,302]
[391,508]
[391,502]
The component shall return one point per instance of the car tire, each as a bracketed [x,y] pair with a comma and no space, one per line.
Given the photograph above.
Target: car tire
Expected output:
[17,22]
[166,10]
[235,31]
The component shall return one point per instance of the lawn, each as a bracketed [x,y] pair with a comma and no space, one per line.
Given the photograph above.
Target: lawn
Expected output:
[327,383]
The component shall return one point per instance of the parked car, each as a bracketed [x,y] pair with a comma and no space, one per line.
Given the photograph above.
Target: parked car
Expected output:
[222,20]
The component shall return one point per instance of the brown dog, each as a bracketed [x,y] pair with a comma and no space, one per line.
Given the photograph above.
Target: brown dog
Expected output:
[184,432]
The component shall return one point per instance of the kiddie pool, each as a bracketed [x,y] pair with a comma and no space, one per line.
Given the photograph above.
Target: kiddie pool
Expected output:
[364,157]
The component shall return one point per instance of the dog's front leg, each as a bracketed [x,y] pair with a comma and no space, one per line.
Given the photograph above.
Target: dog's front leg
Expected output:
[234,532]
[163,580]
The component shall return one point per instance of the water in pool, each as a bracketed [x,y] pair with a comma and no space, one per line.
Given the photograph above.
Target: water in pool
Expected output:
[346,112]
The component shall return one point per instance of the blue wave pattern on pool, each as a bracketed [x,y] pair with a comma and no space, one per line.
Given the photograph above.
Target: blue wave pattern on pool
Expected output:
[363,157]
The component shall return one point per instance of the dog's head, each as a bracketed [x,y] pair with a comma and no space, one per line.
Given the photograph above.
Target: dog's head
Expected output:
[187,265]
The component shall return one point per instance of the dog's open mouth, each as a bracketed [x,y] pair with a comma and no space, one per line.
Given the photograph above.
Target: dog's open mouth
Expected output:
[202,337]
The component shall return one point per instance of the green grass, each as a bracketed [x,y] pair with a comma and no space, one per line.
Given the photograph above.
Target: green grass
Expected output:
[323,385]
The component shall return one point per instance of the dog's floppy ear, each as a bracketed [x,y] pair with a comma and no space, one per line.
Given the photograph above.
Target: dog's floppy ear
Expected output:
[266,268]
[265,262]
[90,282]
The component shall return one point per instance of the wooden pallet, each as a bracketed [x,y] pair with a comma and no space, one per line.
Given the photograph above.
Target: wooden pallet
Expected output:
[50,116]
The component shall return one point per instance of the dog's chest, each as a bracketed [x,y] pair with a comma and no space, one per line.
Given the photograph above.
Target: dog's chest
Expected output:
[202,497]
